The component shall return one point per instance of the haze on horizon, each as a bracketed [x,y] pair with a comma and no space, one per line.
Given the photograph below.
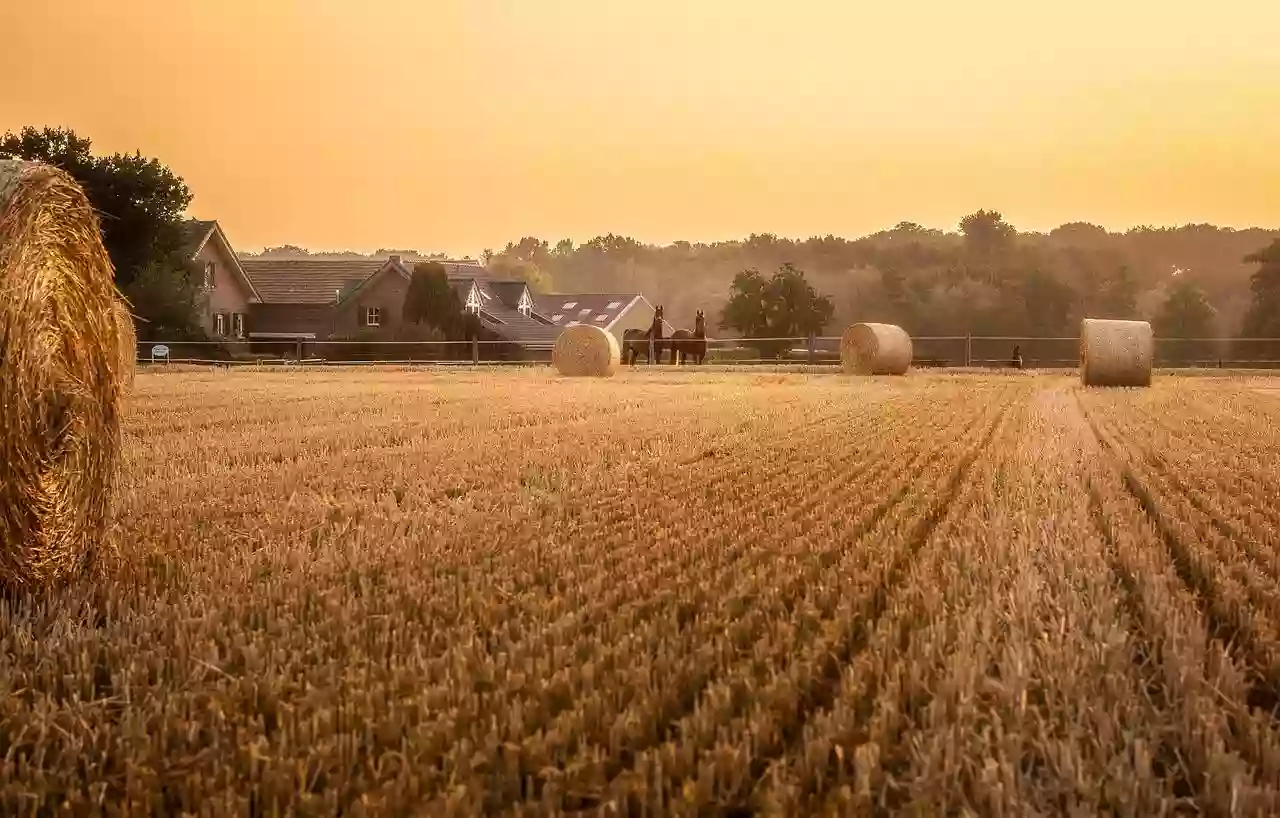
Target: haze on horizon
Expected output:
[463,124]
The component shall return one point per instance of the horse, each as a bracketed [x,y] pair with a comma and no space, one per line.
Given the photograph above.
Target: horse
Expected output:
[635,342]
[686,345]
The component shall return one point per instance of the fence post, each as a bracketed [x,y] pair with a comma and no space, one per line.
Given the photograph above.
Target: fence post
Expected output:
[813,348]
[475,350]
[297,349]
[968,349]
[651,349]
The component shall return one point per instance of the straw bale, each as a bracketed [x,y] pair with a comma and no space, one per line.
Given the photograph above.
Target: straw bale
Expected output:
[1115,353]
[586,350]
[875,349]
[66,363]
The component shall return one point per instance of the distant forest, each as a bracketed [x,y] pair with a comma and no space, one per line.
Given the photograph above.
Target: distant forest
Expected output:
[985,278]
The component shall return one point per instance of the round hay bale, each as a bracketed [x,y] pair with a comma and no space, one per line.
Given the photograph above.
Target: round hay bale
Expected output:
[875,349]
[1115,353]
[66,363]
[586,350]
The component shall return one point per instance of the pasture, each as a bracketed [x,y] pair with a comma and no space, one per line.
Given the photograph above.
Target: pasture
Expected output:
[668,592]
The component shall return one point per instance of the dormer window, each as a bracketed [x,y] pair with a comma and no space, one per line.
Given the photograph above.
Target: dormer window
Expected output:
[526,303]
[473,301]
[568,305]
[613,305]
[209,273]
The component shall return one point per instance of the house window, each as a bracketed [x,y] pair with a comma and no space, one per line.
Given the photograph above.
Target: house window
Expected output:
[526,303]
[237,324]
[373,316]
[220,324]
[613,305]
[601,318]
[584,311]
[555,319]
[209,272]
[568,305]
[473,301]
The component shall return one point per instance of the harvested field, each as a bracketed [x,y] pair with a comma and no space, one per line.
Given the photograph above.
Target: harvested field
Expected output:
[679,593]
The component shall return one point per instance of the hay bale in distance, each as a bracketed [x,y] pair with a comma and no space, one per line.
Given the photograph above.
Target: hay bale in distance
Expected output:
[66,363]
[1115,353]
[875,349]
[586,350]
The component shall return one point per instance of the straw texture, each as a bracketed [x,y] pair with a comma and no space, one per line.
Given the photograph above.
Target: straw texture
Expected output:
[585,350]
[1115,353]
[875,349]
[66,363]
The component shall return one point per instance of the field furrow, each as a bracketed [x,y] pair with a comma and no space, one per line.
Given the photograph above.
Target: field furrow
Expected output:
[671,592]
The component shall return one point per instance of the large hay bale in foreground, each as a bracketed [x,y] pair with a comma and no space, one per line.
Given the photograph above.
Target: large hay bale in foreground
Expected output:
[66,362]
[586,350]
[1115,353]
[875,349]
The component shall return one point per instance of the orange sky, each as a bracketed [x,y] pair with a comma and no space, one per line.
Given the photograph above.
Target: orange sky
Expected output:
[453,125]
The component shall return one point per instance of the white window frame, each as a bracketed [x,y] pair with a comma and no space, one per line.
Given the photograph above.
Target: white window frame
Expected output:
[237,324]
[526,303]
[613,305]
[473,301]
[373,316]
[219,325]
[210,274]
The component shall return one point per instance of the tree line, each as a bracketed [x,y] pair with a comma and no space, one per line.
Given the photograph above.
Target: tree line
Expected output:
[983,278]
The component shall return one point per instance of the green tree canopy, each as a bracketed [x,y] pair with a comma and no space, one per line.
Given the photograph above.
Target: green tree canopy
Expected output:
[1185,313]
[1263,317]
[784,306]
[140,201]
[431,304]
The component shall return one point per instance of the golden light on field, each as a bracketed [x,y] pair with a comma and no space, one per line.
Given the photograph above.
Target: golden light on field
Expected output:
[481,591]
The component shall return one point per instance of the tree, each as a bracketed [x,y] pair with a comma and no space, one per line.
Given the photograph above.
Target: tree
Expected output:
[1185,313]
[431,304]
[170,300]
[139,200]
[1046,303]
[538,279]
[784,306]
[1119,293]
[1263,317]
[987,234]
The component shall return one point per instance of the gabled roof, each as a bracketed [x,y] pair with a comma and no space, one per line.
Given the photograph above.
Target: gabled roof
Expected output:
[304,281]
[599,309]
[196,233]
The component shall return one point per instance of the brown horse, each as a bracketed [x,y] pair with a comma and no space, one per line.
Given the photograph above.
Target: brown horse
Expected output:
[686,345]
[635,342]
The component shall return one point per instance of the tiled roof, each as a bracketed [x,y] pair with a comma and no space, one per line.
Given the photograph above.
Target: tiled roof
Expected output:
[302,281]
[194,234]
[600,309]
[519,329]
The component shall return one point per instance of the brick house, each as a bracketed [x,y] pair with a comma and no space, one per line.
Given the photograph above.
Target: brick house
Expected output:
[230,295]
[276,303]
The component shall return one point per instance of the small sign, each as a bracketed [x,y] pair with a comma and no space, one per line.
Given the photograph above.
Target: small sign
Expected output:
[159,351]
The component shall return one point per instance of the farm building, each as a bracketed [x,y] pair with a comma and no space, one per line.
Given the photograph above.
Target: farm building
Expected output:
[283,301]
[614,312]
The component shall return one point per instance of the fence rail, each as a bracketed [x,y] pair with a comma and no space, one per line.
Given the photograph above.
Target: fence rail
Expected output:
[929,351]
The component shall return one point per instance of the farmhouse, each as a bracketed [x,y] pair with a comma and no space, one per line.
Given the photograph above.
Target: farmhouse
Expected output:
[317,300]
